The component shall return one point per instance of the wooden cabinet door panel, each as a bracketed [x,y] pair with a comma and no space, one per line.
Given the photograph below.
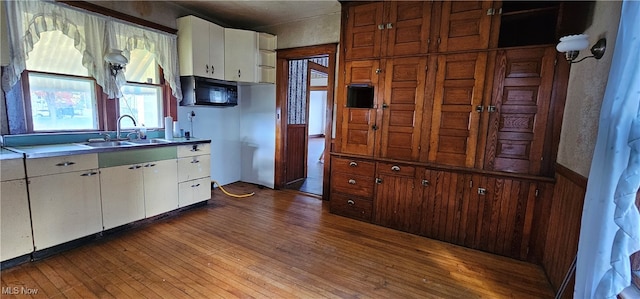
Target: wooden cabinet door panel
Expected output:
[398,204]
[408,27]
[465,25]
[455,122]
[362,35]
[402,108]
[358,134]
[522,96]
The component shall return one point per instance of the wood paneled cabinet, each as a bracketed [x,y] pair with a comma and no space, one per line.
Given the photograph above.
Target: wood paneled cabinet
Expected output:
[352,182]
[399,28]
[485,212]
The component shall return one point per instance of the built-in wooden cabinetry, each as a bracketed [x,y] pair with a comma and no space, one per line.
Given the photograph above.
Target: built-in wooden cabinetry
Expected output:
[457,141]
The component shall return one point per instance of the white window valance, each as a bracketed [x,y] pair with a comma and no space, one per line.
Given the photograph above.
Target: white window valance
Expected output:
[94,36]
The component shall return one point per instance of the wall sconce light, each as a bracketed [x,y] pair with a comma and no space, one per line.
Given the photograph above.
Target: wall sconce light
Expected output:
[571,45]
[116,61]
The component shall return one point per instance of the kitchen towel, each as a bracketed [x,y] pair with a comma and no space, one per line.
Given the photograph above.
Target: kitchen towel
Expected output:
[168,127]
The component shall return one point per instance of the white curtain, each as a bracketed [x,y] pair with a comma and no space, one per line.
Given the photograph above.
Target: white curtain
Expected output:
[610,230]
[94,36]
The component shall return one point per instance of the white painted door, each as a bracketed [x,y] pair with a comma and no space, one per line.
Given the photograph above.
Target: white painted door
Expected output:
[122,192]
[160,187]
[64,207]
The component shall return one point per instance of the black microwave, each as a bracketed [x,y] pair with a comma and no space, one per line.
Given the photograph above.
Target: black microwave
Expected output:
[206,91]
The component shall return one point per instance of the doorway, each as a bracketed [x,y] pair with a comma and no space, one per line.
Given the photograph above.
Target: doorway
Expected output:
[305,84]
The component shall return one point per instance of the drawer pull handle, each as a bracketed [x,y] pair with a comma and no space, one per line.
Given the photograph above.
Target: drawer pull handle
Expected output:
[135,167]
[425,183]
[196,185]
[195,161]
[353,164]
[195,148]
[150,165]
[65,164]
[351,202]
[352,181]
[395,168]
[89,173]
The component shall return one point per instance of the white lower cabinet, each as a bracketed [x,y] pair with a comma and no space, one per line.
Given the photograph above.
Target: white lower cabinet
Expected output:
[15,222]
[122,193]
[160,187]
[194,174]
[64,207]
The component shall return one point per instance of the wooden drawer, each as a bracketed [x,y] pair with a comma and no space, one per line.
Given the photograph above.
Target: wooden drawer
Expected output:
[352,184]
[62,164]
[350,206]
[354,166]
[190,150]
[396,169]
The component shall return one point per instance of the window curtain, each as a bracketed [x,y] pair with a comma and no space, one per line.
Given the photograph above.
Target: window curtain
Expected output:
[94,36]
[610,230]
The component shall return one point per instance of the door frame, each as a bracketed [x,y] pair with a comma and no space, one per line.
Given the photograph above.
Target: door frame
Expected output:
[282,82]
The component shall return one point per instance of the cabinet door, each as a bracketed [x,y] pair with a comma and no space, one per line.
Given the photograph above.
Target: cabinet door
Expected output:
[240,51]
[194,191]
[216,52]
[15,227]
[160,187]
[122,195]
[402,108]
[190,168]
[363,31]
[454,123]
[359,124]
[465,25]
[64,207]
[193,46]
[522,95]
[408,27]
[398,203]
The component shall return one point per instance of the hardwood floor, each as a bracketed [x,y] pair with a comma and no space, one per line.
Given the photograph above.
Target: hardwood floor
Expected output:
[276,244]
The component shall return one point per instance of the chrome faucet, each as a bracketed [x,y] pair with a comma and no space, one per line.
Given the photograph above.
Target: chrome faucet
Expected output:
[118,124]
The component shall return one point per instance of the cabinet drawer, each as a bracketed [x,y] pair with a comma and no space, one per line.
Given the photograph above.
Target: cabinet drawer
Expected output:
[190,150]
[194,191]
[190,168]
[352,184]
[354,166]
[352,207]
[62,164]
[396,169]
[12,169]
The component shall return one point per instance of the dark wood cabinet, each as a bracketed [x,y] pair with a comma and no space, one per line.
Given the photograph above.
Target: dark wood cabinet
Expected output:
[397,203]
[352,187]
[465,25]
[519,110]
[455,119]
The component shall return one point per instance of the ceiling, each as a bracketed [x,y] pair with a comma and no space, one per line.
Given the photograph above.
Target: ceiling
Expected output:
[253,14]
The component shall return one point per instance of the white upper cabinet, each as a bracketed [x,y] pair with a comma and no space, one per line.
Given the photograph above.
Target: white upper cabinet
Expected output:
[241,49]
[200,48]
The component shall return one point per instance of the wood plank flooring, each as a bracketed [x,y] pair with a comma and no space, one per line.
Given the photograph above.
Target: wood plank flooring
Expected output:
[276,244]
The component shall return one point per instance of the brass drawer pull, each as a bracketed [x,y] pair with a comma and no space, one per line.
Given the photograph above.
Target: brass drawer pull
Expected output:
[352,181]
[353,164]
[65,164]
[351,202]
[395,168]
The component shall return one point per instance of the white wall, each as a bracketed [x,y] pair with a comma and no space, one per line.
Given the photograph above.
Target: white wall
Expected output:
[258,133]
[587,83]
[222,126]
[317,109]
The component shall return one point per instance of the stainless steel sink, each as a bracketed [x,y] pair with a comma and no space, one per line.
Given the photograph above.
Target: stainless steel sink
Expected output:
[148,141]
[107,143]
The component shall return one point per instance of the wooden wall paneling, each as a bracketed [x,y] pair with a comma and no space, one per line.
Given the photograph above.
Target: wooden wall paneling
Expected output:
[468,216]
[428,222]
[362,37]
[540,221]
[554,127]
[358,135]
[561,243]
[402,108]
[455,122]
[410,23]
[427,108]
[484,116]
[465,25]
[479,180]
[398,203]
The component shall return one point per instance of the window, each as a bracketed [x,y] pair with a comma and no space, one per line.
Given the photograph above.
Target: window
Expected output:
[143,96]
[61,95]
